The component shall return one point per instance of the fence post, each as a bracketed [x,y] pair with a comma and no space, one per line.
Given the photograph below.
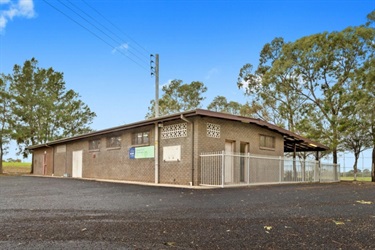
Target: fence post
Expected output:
[248,168]
[318,171]
[222,168]
[279,169]
[303,170]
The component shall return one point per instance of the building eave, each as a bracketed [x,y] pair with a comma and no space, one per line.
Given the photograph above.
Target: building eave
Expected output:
[291,139]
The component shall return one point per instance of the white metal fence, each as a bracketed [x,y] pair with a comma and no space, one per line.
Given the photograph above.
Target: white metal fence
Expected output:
[227,169]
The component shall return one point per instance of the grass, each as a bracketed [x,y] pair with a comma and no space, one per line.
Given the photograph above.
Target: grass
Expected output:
[16,167]
[359,178]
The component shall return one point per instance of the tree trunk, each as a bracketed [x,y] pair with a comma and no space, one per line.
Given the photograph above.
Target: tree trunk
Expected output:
[373,165]
[334,153]
[355,167]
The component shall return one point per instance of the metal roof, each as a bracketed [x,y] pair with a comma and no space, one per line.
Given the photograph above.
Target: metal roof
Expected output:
[291,139]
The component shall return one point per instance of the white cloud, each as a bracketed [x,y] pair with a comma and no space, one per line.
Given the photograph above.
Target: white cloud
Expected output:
[211,72]
[12,9]
[26,8]
[122,47]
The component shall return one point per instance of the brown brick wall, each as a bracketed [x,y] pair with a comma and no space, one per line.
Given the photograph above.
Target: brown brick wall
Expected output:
[238,133]
[43,161]
[174,172]
[115,163]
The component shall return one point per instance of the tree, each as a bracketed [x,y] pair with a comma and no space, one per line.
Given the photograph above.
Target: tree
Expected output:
[220,104]
[271,88]
[356,140]
[5,118]
[43,109]
[369,101]
[365,108]
[359,116]
[178,97]
[316,72]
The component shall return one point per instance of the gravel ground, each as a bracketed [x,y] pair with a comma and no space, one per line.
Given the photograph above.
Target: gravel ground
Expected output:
[52,213]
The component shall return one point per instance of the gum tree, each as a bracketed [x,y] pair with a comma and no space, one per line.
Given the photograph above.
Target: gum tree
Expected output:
[271,87]
[42,107]
[221,104]
[177,97]
[315,73]
[5,118]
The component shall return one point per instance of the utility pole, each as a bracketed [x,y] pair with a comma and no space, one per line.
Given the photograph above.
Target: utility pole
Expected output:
[154,66]
[155,71]
[156,85]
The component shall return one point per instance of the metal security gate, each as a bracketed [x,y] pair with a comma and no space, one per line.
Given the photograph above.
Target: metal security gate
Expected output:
[246,169]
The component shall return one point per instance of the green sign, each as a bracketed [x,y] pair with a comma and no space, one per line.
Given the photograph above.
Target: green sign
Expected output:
[144,152]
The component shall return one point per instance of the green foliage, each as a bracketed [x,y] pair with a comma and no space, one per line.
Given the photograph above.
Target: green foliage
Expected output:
[271,87]
[5,118]
[42,108]
[220,104]
[307,84]
[178,97]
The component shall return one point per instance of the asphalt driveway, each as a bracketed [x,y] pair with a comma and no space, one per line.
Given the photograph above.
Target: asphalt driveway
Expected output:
[53,213]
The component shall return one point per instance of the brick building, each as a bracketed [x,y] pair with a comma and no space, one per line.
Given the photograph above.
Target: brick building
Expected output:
[165,149]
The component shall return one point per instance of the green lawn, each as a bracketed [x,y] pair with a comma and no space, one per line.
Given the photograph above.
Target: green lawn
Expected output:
[17,167]
[359,178]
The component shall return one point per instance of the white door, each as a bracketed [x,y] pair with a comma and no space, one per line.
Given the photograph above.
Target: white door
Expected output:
[229,150]
[77,164]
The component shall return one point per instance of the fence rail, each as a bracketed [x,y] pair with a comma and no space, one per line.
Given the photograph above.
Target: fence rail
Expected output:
[227,169]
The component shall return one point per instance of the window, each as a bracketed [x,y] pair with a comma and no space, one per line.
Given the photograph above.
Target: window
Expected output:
[174,131]
[94,144]
[114,142]
[267,141]
[213,130]
[141,138]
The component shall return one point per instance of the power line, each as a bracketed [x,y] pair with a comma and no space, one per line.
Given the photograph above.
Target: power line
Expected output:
[96,27]
[94,34]
[107,29]
[115,26]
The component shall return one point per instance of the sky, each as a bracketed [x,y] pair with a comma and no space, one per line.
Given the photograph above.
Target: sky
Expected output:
[103,47]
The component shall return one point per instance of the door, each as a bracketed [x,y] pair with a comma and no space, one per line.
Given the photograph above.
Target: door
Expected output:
[77,164]
[229,150]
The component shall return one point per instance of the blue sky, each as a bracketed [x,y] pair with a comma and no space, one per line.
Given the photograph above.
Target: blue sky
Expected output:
[205,40]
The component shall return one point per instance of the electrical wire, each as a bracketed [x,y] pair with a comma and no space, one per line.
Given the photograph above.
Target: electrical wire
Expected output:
[120,41]
[115,26]
[94,34]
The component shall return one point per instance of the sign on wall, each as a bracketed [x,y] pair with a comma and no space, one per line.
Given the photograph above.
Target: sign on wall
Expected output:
[142,152]
[132,153]
[172,153]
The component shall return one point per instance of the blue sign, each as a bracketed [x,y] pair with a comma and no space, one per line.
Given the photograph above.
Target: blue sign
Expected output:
[132,153]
